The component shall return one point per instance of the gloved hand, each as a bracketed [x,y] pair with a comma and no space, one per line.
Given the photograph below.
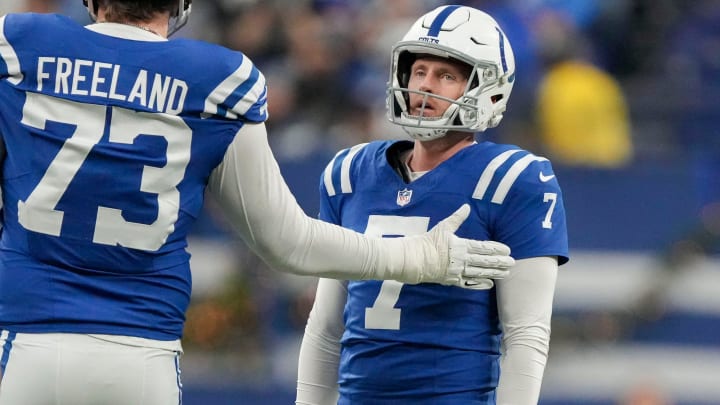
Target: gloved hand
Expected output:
[475,263]
[450,260]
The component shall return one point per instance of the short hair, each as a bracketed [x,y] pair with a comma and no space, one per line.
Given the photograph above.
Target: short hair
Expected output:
[136,10]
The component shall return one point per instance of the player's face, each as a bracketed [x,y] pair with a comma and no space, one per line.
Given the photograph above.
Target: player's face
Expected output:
[439,76]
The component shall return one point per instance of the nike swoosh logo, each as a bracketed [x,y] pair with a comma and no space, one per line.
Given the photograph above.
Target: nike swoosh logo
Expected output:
[545,178]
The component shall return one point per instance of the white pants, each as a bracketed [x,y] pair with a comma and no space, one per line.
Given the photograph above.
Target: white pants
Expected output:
[77,369]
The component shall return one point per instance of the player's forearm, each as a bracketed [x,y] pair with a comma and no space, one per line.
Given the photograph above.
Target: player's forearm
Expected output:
[525,306]
[521,373]
[320,349]
[317,371]
[259,204]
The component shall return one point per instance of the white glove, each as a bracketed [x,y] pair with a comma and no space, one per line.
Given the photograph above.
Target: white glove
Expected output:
[475,263]
[450,260]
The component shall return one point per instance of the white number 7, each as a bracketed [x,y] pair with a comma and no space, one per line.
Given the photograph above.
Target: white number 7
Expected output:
[38,212]
[383,314]
[552,197]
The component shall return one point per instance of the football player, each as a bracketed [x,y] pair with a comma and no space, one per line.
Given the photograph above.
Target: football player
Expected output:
[111,134]
[387,342]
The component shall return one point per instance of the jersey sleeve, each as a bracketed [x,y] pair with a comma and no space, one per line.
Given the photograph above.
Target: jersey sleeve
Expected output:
[327,210]
[9,62]
[337,180]
[242,94]
[528,210]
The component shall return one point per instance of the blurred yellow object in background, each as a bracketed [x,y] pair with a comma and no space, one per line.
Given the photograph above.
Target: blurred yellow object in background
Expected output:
[583,116]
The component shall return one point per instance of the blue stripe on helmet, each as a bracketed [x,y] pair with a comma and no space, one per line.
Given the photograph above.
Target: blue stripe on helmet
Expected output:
[437,24]
[502,50]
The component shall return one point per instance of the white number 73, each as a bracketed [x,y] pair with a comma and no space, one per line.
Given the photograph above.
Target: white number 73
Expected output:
[38,212]
[383,314]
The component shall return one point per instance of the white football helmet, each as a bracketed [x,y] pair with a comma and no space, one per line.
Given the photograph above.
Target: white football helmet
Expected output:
[177,20]
[467,35]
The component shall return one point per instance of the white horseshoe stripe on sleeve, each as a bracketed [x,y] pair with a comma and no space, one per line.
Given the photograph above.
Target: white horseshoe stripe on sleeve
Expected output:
[345,183]
[8,55]
[489,172]
[508,178]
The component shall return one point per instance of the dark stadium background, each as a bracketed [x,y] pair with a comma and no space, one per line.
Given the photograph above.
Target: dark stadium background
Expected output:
[637,309]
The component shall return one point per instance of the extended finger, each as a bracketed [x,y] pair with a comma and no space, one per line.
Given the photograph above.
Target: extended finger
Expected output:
[496,262]
[476,272]
[487,247]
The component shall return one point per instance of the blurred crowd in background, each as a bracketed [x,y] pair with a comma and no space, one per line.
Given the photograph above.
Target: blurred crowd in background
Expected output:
[607,89]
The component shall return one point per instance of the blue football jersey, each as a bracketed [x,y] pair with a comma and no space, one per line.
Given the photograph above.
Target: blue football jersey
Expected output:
[110,143]
[430,343]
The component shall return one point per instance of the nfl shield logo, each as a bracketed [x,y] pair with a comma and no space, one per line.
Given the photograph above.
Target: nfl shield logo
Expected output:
[403,197]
